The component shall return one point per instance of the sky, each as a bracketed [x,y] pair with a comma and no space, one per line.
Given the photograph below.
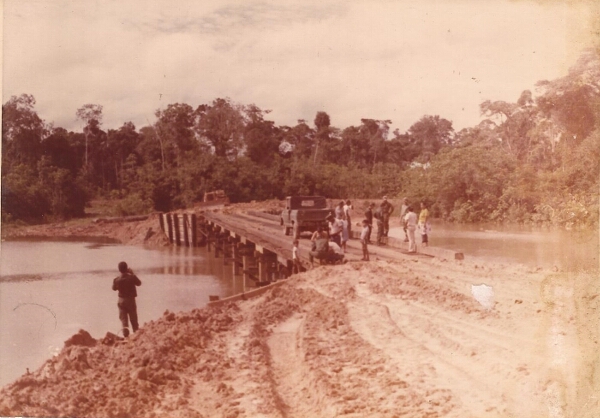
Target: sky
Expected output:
[396,60]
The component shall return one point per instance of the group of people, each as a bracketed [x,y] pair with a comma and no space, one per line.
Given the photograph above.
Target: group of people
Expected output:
[329,244]
[411,223]
[382,217]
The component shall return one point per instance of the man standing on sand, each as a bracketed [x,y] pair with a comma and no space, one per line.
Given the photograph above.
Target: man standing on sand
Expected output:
[403,210]
[424,224]
[410,220]
[297,265]
[369,219]
[347,211]
[378,215]
[126,284]
[366,231]
[386,211]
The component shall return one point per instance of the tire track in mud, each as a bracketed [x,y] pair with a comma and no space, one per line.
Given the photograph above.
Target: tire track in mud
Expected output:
[430,365]
[428,340]
[294,382]
[342,373]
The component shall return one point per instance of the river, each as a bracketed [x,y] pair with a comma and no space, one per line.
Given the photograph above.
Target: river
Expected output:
[51,289]
[534,247]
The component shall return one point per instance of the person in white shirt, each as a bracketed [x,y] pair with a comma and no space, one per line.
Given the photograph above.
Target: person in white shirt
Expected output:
[296,268]
[335,230]
[336,254]
[364,239]
[347,212]
[345,233]
[403,210]
[410,221]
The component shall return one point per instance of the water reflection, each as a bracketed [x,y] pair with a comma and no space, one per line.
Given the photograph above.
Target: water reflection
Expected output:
[51,289]
[570,250]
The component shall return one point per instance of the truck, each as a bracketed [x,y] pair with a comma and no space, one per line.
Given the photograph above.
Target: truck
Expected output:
[304,213]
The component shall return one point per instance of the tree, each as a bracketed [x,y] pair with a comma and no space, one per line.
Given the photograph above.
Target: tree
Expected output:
[22,198]
[375,131]
[302,138]
[465,183]
[261,137]
[512,124]
[121,144]
[57,148]
[175,125]
[91,114]
[221,125]
[322,123]
[573,101]
[428,135]
[22,132]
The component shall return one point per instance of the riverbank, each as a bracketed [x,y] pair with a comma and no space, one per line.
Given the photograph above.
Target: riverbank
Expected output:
[135,232]
[364,339]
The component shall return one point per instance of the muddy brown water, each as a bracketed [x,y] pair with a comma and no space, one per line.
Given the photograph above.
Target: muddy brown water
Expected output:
[533,247]
[51,289]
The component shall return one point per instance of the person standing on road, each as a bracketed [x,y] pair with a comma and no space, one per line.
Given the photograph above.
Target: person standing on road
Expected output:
[410,220]
[347,212]
[335,230]
[386,210]
[339,209]
[297,266]
[345,233]
[126,284]
[369,219]
[424,224]
[403,210]
[364,239]
[378,215]
[320,250]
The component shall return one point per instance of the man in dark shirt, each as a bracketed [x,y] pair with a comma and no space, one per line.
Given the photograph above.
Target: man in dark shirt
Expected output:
[126,285]
[386,210]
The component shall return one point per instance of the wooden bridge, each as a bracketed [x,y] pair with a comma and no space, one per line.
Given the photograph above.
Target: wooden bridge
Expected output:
[254,244]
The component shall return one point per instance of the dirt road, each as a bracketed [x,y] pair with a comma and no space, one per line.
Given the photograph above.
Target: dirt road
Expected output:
[379,339]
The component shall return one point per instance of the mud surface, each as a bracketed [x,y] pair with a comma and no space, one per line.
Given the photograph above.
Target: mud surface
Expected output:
[379,339]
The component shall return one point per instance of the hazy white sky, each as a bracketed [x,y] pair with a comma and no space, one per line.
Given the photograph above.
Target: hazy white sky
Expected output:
[395,60]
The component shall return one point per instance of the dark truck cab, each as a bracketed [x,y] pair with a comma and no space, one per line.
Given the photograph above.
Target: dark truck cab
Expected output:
[304,213]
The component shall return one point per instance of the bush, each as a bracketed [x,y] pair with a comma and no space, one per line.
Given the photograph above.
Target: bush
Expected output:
[134,205]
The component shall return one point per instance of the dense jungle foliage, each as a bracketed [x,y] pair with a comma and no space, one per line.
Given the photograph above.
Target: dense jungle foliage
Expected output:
[534,160]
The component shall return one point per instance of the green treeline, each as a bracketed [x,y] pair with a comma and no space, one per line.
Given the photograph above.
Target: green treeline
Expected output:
[534,160]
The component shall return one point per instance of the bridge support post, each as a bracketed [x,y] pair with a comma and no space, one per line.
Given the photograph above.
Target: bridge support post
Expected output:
[170,227]
[186,227]
[176,228]
[246,265]
[235,255]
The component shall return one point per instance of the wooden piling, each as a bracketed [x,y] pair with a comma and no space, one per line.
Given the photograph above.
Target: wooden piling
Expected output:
[161,221]
[186,235]
[194,225]
[235,255]
[246,261]
[170,227]
[176,228]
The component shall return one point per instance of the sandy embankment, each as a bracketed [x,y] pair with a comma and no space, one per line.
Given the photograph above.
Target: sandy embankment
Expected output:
[378,339]
[133,233]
